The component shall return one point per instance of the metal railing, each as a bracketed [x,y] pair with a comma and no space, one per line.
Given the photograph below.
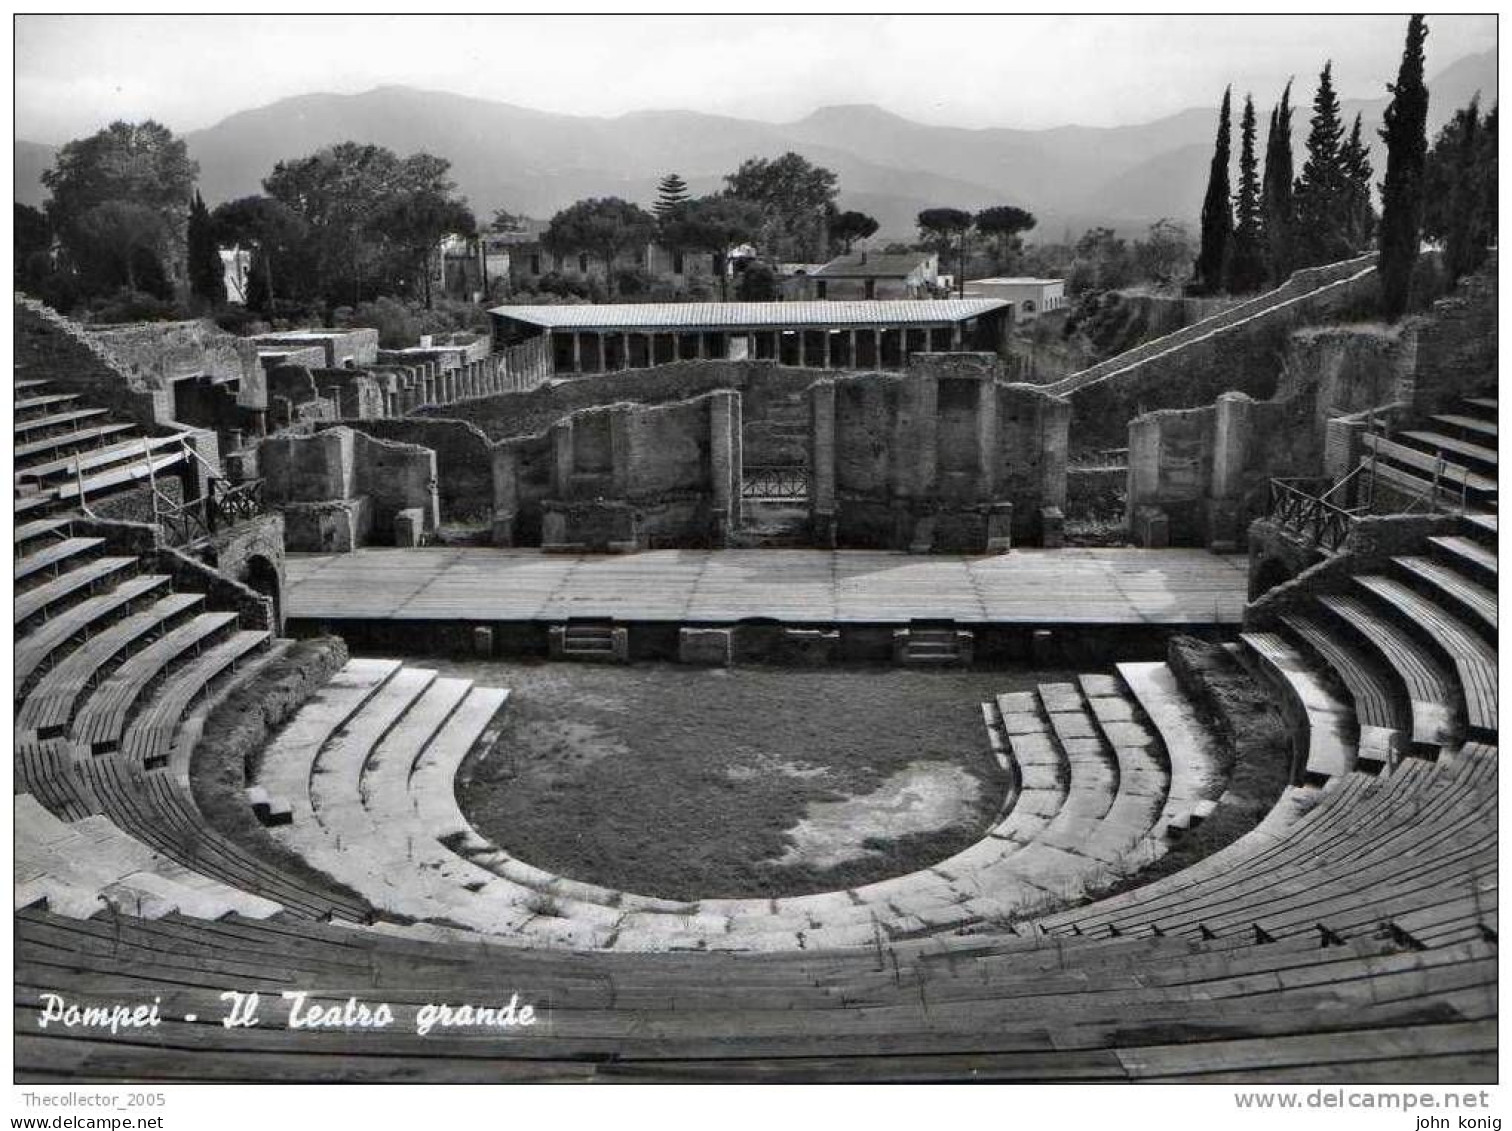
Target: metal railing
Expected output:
[1302,507]
[775,484]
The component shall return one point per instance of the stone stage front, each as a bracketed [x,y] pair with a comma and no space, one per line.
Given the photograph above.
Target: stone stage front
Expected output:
[1029,587]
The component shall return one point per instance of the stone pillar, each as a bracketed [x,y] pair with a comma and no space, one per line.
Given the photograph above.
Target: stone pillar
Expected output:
[822,494]
[724,464]
[624,351]
[562,460]
[955,337]
[987,462]
[876,349]
[1055,446]
[577,352]
[828,333]
[1232,428]
[854,364]
[702,352]
[619,440]
[1144,465]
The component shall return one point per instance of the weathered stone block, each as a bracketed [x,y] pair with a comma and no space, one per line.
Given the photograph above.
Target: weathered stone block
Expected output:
[814,646]
[710,647]
[1152,528]
[1052,528]
[409,527]
[337,526]
[1000,528]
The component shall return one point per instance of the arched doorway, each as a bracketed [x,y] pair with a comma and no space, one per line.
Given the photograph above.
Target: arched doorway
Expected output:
[262,575]
[1272,572]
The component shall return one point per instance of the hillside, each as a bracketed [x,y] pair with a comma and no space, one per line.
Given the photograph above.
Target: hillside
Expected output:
[535,162]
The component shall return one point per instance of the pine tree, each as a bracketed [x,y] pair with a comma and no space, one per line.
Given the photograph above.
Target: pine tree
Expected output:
[1322,198]
[1246,267]
[1406,137]
[671,194]
[1361,214]
[1217,218]
[207,276]
[1277,211]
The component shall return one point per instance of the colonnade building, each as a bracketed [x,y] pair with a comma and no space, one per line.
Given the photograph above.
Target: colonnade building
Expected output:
[823,335]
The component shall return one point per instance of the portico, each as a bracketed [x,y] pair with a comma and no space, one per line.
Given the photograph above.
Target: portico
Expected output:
[818,335]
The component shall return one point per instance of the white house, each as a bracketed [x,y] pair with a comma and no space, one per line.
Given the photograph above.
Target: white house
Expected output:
[1030,297]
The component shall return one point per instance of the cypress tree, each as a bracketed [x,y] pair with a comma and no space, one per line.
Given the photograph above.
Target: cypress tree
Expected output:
[1276,207]
[1217,218]
[1246,269]
[207,276]
[1405,134]
[671,194]
[1322,199]
[1355,158]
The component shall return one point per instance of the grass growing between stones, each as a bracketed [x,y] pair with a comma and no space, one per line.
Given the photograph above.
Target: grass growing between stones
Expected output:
[232,742]
[688,783]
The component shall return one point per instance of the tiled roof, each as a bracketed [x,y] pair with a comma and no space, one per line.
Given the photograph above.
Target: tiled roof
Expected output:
[747,315]
[873,266]
[1016,280]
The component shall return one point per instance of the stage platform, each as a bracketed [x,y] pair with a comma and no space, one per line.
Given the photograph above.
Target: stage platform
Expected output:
[1029,587]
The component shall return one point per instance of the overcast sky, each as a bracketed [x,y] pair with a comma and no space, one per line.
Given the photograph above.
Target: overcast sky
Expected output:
[76,73]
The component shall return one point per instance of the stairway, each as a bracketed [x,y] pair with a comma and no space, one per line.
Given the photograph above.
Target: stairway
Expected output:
[589,641]
[933,644]
[64,448]
[1449,458]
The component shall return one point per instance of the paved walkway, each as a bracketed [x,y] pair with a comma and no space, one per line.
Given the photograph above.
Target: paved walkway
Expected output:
[1052,587]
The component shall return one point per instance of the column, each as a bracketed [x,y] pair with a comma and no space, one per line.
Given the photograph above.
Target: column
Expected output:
[827,331]
[624,351]
[876,349]
[854,364]
[577,352]
[955,337]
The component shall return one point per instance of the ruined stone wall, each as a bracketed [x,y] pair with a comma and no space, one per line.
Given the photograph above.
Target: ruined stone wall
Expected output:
[944,457]
[621,476]
[1456,349]
[1348,369]
[1208,469]
[464,460]
[338,487]
[527,413]
[160,353]
[396,476]
[51,348]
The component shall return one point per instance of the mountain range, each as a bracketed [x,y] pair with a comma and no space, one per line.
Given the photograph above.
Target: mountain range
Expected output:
[534,162]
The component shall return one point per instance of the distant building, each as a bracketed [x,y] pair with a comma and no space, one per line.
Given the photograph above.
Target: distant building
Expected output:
[236,262]
[609,337]
[529,260]
[872,275]
[1030,297]
[466,268]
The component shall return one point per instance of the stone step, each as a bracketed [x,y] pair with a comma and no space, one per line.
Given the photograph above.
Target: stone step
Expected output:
[1482,528]
[1482,431]
[1196,776]
[1467,556]
[1452,589]
[1323,726]
[1478,458]
[284,772]
[1473,657]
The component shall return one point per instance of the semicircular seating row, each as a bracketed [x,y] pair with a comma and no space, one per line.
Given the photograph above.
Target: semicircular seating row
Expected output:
[366,773]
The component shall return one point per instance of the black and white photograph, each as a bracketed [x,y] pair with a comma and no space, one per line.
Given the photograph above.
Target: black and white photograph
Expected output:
[745,549]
